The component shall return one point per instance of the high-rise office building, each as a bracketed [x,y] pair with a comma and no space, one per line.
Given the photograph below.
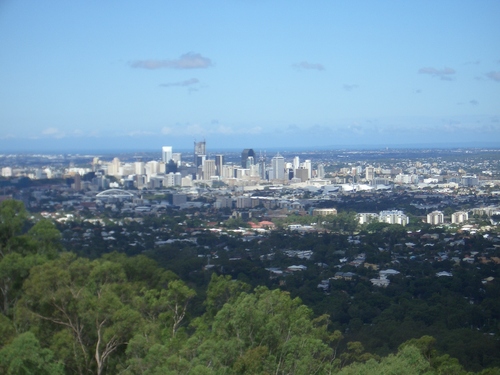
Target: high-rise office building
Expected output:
[139,168]
[166,154]
[250,162]
[248,152]
[321,171]
[208,169]
[278,167]
[177,157]
[262,167]
[78,182]
[200,153]
[219,162]
[171,166]
[302,174]
[228,171]
[296,163]
[370,173]
[308,166]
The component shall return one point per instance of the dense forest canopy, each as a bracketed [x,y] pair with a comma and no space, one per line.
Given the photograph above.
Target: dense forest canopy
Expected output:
[63,313]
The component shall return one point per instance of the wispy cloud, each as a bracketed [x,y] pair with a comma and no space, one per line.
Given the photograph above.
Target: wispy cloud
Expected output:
[189,60]
[495,76]
[474,102]
[7,136]
[309,66]
[50,131]
[187,82]
[445,74]
[349,87]
[53,133]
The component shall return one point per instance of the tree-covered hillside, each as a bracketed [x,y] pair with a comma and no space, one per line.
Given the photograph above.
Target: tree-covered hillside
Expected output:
[117,314]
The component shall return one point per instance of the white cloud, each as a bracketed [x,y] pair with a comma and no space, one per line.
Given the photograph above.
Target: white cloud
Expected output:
[50,131]
[189,60]
[53,133]
[7,136]
[309,66]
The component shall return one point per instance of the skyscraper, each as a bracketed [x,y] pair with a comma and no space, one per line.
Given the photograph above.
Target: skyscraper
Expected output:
[278,167]
[370,173]
[262,167]
[78,182]
[219,162]
[208,169]
[308,166]
[321,171]
[200,153]
[176,156]
[166,154]
[247,153]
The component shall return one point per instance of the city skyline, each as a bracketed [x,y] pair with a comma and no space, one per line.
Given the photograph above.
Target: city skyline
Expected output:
[272,75]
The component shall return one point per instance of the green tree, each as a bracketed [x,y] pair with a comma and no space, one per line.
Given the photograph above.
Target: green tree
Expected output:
[24,356]
[222,289]
[13,217]
[270,326]
[14,269]
[47,238]
[407,361]
[87,302]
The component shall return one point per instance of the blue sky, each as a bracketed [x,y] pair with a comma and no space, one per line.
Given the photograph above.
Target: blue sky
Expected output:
[77,75]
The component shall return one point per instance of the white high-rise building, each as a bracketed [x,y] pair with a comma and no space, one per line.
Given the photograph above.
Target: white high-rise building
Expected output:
[114,168]
[228,171]
[152,168]
[177,157]
[308,166]
[435,218]
[296,163]
[172,179]
[370,173]
[278,167]
[7,172]
[166,154]
[139,167]
[321,171]
[459,217]
[393,217]
[208,169]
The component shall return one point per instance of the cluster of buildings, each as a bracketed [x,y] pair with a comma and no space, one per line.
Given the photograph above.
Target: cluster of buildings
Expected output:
[172,170]
[398,217]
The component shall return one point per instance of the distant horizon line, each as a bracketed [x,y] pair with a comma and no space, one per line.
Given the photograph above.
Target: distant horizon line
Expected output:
[374,147]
